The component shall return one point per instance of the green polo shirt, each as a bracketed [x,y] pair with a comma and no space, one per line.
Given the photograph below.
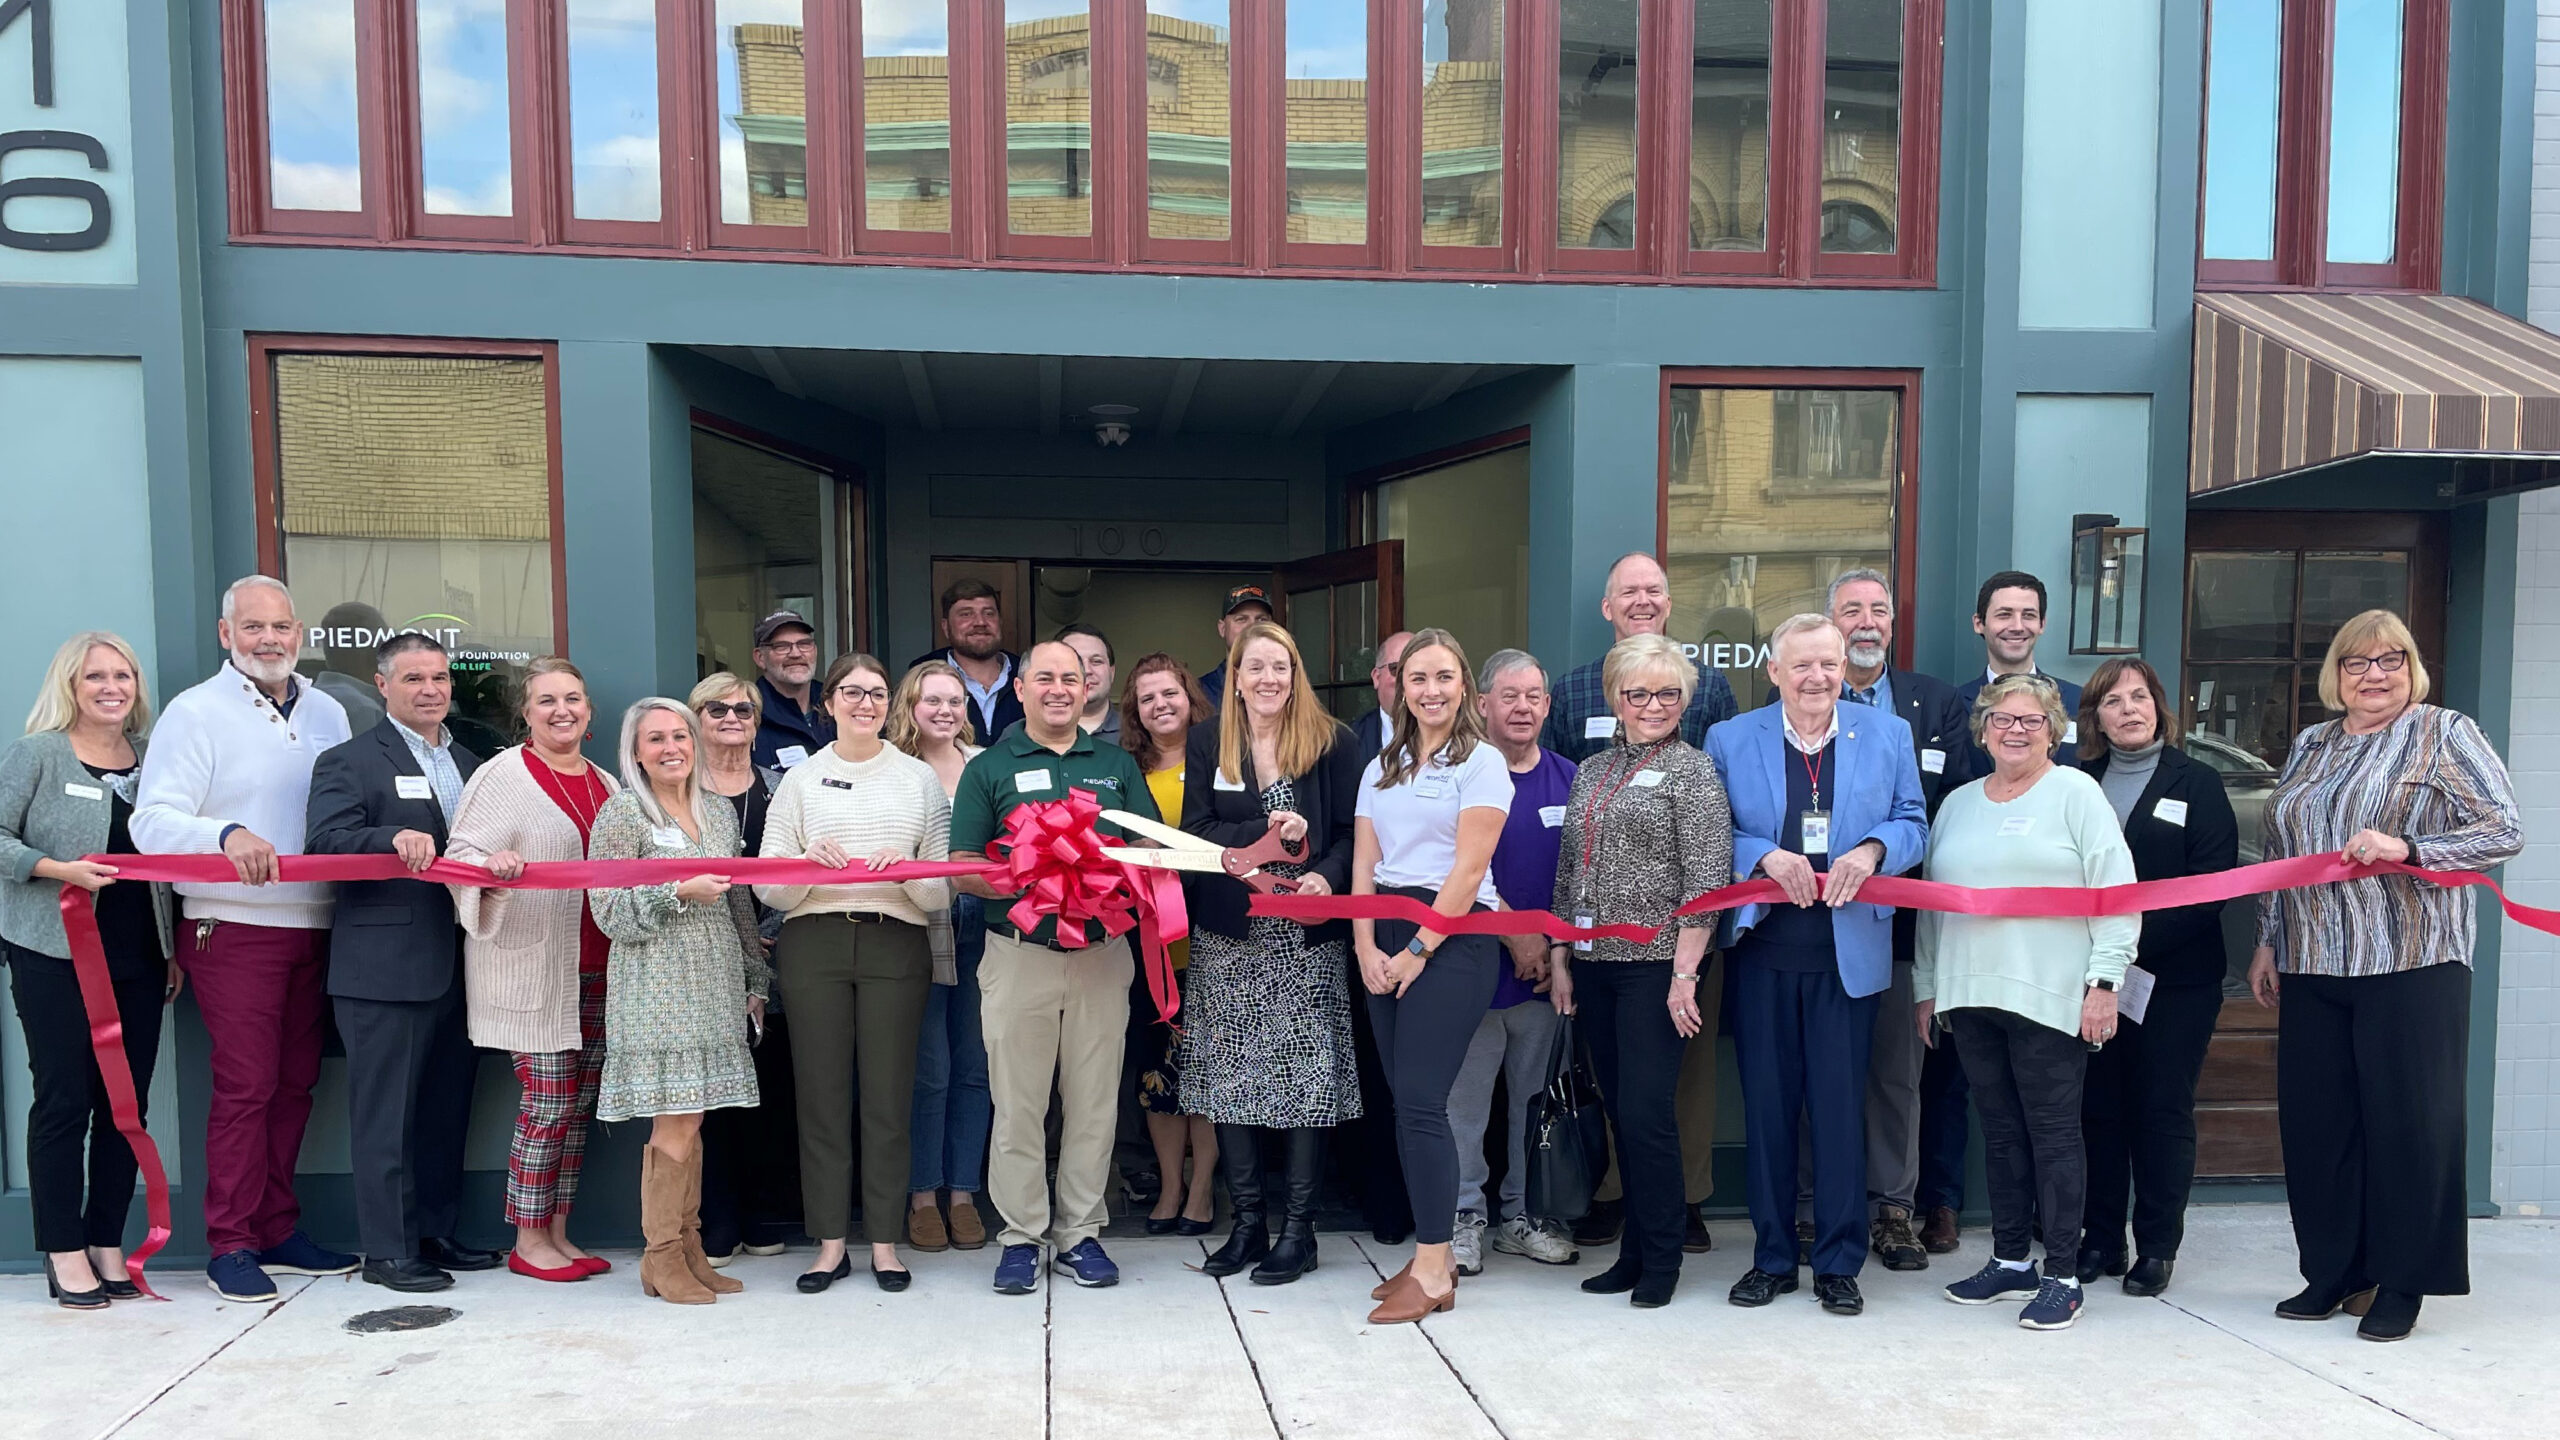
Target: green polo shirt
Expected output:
[1016,770]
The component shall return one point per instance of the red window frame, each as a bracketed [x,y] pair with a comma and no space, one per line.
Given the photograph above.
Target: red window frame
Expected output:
[844,106]
[2302,159]
[1906,499]
[1268,140]
[1110,42]
[821,74]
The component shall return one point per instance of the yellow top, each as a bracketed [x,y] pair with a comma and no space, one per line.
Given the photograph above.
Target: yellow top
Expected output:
[1166,786]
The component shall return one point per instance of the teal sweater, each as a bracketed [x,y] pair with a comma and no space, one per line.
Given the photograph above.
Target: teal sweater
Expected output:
[2060,833]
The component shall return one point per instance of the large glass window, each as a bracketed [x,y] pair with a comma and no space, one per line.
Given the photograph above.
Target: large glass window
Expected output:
[1729,125]
[1596,125]
[414,493]
[1189,184]
[2364,132]
[1325,120]
[906,115]
[613,109]
[764,128]
[768,533]
[1772,493]
[313,159]
[1462,122]
[1465,529]
[1048,117]
[2240,129]
[464,152]
[1861,126]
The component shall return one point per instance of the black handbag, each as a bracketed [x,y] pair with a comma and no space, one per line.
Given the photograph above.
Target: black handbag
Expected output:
[1568,1135]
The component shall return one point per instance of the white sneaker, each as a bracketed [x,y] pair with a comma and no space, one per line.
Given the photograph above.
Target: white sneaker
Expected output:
[1466,1243]
[1545,1244]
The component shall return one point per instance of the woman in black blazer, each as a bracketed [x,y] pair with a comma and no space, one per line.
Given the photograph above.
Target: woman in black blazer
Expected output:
[1268,1041]
[2138,1108]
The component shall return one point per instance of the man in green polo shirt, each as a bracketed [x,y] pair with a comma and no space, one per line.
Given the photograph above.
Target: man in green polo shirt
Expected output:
[1049,1012]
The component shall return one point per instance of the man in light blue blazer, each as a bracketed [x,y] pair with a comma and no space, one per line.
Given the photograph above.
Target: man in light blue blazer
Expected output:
[1824,795]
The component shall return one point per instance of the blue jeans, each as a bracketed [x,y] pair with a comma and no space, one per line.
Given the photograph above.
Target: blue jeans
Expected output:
[953,1111]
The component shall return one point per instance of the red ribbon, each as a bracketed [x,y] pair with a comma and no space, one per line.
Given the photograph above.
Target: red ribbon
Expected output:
[2020,901]
[1049,853]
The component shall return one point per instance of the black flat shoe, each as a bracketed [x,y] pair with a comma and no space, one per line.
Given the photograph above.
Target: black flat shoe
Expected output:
[1654,1291]
[1163,1226]
[1185,1225]
[1618,1279]
[2393,1316]
[2095,1262]
[92,1299]
[2148,1276]
[1758,1287]
[892,1281]
[815,1282]
[2321,1304]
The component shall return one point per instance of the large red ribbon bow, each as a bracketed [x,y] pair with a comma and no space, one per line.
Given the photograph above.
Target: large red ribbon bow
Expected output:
[1053,858]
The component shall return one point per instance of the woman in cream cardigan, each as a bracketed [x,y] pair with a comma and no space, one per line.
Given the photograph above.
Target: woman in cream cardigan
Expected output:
[534,961]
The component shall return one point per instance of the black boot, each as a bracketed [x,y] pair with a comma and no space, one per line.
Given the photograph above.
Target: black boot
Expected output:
[1295,1255]
[1240,1160]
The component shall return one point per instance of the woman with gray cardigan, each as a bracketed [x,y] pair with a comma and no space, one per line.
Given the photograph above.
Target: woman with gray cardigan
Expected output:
[66,790]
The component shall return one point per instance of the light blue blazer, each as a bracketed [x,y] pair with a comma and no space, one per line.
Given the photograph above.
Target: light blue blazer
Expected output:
[1876,797]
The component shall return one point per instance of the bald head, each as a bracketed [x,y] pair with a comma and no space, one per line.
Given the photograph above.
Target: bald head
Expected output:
[1382,676]
[1051,684]
[1637,597]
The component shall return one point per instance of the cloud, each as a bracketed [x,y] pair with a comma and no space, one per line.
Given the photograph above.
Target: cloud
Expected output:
[906,27]
[758,12]
[310,185]
[734,204]
[462,60]
[311,63]
[496,196]
[617,178]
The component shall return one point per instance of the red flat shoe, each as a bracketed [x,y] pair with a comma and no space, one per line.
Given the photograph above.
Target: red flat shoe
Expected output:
[558,1275]
[592,1264]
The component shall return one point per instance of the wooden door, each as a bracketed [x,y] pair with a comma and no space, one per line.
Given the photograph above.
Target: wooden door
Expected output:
[1340,606]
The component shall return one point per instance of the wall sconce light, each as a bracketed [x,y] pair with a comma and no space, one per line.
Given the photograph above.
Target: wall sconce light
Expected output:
[2106,585]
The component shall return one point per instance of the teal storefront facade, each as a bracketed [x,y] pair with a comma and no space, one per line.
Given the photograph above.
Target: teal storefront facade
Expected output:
[2043,365]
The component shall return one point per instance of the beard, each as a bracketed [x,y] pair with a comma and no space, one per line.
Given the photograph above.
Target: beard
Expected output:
[265,672]
[1866,654]
[976,647]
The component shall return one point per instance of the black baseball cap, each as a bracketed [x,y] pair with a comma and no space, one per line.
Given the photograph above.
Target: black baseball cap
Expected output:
[1244,595]
[780,620]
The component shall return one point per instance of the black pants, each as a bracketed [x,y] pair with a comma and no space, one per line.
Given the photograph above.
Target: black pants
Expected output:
[1367,1145]
[2369,1093]
[1946,1129]
[2139,1117]
[751,1155]
[1622,1011]
[70,1109]
[2026,1081]
[1422,1043]
[410,1068]
[1802,1042]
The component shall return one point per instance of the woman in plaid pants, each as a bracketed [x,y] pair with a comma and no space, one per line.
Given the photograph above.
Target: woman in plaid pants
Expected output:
[534,961]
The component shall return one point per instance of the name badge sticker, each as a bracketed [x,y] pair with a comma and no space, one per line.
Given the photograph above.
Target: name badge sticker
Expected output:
[2071,732]
[1817,832]
[78,791]
[1431,787]
[790,755]
[1551,816]
[1933,762]
[1026,781]
[1218,781]
[1584,922]
[1646,779]
[1600,727]
[2172,811]
[413,787]
[669,837]
[2017,825]
[833,783]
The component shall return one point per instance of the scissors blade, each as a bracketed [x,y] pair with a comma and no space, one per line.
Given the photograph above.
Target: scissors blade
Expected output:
[1162,834]
[1168,859]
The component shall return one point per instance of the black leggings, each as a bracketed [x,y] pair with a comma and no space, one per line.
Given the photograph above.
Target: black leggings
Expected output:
[1422,1042]
[2138,1113]
[70,1113]
[2026,1082]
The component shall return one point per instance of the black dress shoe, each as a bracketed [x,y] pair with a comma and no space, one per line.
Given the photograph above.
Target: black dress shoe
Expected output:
[2148,1276]
[411,1277]
[1185,1225]
[1601,1223]
[2095,1262]
[1161,1227]
[815,1282]
[1618,1279]
[2393,1316]
[1758,1287]
[115,1286]
[1694,1239]
[94,1298]
[1839,1294]
[2313,1304]
[892,1281]
[1654,1291]
[454,1255]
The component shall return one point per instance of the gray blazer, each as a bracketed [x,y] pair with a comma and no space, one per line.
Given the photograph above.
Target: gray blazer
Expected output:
[41,819]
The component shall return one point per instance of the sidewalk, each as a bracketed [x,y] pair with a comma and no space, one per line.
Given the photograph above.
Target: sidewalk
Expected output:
[1525,1356]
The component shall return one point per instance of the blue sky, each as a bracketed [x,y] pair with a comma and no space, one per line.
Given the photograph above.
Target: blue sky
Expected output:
[2364,101]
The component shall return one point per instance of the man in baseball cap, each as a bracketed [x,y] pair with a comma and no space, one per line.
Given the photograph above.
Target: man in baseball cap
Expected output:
[791,727]
[1245,604]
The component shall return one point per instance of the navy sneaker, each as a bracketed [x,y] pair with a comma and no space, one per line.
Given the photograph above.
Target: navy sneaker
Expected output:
[236,1276]
[1090,1267]
[2056,1305]
[1018,1271]
[1994,1281]
[298,1255]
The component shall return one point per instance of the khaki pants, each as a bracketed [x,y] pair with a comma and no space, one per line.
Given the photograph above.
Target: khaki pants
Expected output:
[1694,1100]
[1057,1015]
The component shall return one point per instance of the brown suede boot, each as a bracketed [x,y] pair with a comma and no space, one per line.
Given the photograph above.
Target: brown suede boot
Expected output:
[663,1272]
[694,1258]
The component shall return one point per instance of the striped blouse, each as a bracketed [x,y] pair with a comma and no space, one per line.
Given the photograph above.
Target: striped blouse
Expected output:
[2429,777]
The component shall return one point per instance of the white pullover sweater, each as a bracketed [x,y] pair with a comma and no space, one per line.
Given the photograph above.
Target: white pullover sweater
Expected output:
[892,801]
[223,755]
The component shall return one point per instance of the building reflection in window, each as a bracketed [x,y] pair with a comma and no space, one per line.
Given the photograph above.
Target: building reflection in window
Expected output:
[1862,122]
[1325,104]
[764,128]
[1189,182]
[906,116]
[1462,122]
[1048,116]
[1729,125]
[1596,125]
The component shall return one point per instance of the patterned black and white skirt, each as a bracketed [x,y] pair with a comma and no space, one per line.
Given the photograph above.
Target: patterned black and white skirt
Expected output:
[1267,1029]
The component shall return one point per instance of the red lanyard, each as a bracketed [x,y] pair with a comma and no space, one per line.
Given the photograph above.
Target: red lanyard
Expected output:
[1812,771]
[1600,806]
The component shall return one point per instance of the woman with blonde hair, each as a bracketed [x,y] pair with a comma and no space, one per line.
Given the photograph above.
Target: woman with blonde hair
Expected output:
[685,985]
[66,791]
[1160,704]
[533,960]
[1428,812]
[2374,1034]
[953,1111]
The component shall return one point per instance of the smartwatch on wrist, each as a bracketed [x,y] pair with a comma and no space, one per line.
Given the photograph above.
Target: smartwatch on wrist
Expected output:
[2107,985]
[1416,947]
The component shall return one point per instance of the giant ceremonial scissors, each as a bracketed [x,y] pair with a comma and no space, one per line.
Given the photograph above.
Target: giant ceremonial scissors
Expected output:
[1186,851]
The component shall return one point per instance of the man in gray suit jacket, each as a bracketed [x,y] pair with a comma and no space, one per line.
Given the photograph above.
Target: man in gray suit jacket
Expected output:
[395,973]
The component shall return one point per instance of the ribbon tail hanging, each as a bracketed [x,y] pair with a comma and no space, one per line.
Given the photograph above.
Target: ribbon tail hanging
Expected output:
[106,1042]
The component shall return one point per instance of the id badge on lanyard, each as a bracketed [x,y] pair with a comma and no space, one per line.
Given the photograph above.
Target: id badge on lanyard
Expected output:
[1816,831]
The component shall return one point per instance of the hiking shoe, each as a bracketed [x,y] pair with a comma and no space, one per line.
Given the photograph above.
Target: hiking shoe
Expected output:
[1889,1235]
[1466,1243]
[1088,1265]
[1839,1294]
[1994,1281]
[1546,1244]
[236,1276]
[1018,1270]
[2055,1306]
[298,1255]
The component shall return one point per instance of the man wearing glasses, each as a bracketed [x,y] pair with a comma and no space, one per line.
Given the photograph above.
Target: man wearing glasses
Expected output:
[794,726]
[1374,729]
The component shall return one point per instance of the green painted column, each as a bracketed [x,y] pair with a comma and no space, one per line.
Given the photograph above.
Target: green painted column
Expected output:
[626,489]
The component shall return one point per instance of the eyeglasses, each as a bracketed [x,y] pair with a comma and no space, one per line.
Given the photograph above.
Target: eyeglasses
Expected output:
[723,709]
[872,693]
[803,646]
[1646,699]
[2003,720]
[939,702]
[2388,664]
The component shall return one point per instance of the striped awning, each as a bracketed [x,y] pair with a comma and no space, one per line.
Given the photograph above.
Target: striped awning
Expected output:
[2287,382]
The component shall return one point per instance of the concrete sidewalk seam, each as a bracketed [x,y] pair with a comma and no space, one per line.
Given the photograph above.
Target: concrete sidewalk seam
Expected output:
[1434,1342]
[155,1397]
[2330,1380]
[1269,1410]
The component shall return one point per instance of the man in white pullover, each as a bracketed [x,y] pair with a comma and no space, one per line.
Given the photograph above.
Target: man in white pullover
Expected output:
[229,770]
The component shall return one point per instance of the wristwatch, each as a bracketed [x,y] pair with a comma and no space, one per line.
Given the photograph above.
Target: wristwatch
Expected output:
[2107,985]
[1416,947]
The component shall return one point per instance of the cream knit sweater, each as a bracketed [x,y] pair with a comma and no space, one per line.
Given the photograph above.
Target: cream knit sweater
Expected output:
[892,801]
[519,947]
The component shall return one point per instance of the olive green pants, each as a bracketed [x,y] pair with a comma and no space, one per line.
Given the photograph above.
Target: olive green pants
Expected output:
[856,994]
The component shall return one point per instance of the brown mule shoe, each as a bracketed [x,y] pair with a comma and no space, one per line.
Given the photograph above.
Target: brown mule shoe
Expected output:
[1387,1287]
[924,1230]
[968,1232]
[1409,1302]
[663,1272]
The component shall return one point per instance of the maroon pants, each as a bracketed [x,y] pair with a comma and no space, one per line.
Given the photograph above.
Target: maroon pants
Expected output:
[263,995]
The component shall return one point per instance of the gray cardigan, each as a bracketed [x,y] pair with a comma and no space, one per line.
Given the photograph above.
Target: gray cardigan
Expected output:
[41,818]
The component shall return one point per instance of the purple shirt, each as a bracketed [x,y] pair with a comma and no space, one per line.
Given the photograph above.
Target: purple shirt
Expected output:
[1524,859]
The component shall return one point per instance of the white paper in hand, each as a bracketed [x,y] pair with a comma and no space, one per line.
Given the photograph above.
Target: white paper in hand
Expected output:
[2133,997]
